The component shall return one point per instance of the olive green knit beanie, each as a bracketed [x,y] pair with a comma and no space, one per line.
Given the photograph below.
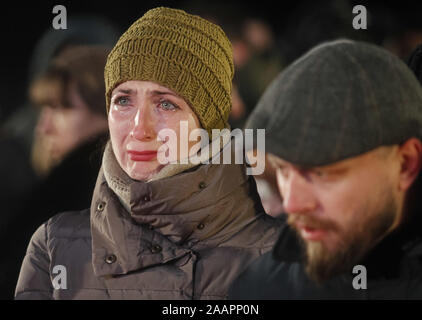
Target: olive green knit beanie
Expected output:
[183,52]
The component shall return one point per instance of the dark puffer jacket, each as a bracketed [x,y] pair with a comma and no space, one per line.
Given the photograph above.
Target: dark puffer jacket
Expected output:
[187,237]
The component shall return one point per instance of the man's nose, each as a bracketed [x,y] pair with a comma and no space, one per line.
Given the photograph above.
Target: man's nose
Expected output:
[297,195]
[45,124]
[144,124]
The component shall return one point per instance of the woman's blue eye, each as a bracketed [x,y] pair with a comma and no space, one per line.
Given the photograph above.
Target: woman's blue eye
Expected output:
[166,105]
[123,101]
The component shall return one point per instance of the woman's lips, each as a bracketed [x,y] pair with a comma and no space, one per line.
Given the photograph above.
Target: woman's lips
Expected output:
[146,155]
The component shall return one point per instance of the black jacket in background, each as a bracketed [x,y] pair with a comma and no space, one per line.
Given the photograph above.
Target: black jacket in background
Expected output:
[68,187]
[394,271]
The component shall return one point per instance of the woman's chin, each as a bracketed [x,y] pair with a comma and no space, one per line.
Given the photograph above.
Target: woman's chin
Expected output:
[144,171]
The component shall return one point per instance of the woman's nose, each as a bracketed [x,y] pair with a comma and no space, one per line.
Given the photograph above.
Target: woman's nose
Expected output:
[297,195]
[143,125]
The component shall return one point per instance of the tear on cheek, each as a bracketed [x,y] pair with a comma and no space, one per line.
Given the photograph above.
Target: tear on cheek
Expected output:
[119,127]
[111,117]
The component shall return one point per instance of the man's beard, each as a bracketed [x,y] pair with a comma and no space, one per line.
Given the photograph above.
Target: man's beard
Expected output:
[323,264]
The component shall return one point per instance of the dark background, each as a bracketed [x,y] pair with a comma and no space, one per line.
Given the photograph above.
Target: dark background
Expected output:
[22,24]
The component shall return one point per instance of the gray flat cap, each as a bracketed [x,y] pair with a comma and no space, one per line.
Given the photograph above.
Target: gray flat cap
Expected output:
[341,99]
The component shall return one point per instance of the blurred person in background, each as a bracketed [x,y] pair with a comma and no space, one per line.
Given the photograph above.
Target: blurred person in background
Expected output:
[70,97]
[17,131]
[71,129]
[19,142]
[263,63]
[343,133]
[70,134]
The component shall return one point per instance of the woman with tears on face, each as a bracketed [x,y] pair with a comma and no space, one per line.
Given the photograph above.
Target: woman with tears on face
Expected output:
[156,230]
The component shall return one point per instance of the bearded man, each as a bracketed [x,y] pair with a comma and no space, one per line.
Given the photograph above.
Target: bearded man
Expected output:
[343,134]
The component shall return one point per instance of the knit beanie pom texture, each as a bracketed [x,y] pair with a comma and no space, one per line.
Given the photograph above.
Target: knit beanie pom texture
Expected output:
[183,52]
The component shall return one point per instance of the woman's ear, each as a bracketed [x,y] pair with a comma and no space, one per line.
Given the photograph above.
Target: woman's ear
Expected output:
[410,153]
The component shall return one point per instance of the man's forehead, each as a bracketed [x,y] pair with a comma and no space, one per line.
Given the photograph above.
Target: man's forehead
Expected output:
[355,160]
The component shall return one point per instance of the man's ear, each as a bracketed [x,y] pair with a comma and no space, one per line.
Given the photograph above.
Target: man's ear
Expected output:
[410,153]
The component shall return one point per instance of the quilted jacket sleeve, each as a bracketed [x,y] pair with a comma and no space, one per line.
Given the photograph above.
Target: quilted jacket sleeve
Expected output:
[34,281]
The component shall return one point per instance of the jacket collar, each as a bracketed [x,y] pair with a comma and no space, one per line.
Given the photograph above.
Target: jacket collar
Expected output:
[203,206]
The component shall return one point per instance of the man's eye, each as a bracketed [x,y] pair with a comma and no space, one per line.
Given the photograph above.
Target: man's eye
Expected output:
[319,173]
[167,105]
[323,174]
